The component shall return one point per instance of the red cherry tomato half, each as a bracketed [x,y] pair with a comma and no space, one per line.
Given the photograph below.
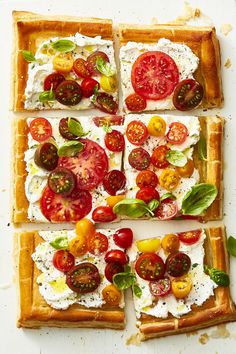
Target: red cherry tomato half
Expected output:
[135,103]
[114,181]
[190,237]
[40,129]
[178,264]
[106,103]
[177,133]
[147,178]
[52,81]
[167,209]
[147,194]
[97,243]
[92,61]
[160,287]
[64,130]
[154,75]
[136,132]
[83,278]
[158,157]
[63,260]
[108,120]
[81,69]
[123,237]
[68,93]
[112,269]
[115,141]
[188,94]
[88,85]
[116,256]
[139,159]
[103,214]
[150,266]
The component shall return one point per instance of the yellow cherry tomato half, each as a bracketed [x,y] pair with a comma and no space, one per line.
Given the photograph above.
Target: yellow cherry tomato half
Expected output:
[63,62]
[85,227]
[187,170]
[170,243]
[78,246]
[169,179]
[181,286]
[156,126]
[108,83]
[111,295]
[112,200]
[149,245]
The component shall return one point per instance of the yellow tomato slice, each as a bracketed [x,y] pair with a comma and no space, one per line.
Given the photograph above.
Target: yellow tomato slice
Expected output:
[181,286]
[156,126]
[108,83]
[170,243]
[149,245]
[78,246]
[63,62]
[111,295]
[169,179]
[187,170]
[112,200]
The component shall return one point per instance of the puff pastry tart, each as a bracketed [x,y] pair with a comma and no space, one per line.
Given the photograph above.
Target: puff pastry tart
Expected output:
[111,167]
[169,67]
[63,62]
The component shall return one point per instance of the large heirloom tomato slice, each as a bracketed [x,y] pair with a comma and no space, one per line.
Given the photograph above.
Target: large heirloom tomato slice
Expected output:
[90,165]
[154,75]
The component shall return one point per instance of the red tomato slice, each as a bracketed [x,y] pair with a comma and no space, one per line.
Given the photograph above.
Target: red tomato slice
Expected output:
[83,278]
[190,237]
[106,103]
[97,243]
[188,94]
[123,237]
[178,264]
[177,133]
[81,69]
[88,85]
[150,266]
[114,181]
[136,132]
[108,120]
[90,165]
[135,103]
[147,178]
[158,157]
[57,208]
[112,269]
[116,256]
[167,209]
[115,141]
[68,93]
[40,129]
[154,75]
[160,287]
[139,159]
[103,214]
[92,60]
[147,194]
[52,81]
[63,260]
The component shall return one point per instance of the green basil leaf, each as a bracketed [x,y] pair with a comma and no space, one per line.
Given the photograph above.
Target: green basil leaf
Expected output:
[127,268]
[28,56]
[76,128]
[135,208]
[104,67]
[137,290]
[194,265]
[202,150]
[107,128]
[70,148]
[199,198]
[153,204]
[46,96]
[176,158]
[60,243]
[124,280]
[166,196]
[218,276]
[231,246]
[63,45]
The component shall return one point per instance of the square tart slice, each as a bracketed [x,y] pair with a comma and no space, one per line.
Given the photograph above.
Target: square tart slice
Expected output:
[207,304]
[45,300]
[194,50]
[95,160]
[37,34]
[146,151]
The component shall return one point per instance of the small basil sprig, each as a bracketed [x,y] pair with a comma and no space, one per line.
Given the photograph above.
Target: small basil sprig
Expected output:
[176,158]
[135,208]
[75,127]
[202,150]
[28,56]
[60,243]
[63,45]
[231,246]
[218,276]
[104,67]
[167,196]
[46,96]
[125,280]
[153,204]
[70,148]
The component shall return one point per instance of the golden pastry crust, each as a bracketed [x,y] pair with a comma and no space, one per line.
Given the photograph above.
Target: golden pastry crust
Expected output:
[217,309]
[34,312]
[31,29]
[202,41]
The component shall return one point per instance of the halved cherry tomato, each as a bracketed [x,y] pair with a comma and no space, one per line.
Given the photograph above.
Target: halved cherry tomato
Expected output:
[88,85]
[149,245]
[156,126]
[64,130]
[150,266]
[111,295]
[78,245]
[112,269]
[190,237]
[63,62]
[62,181]
[188,94]
[63,260]
[135,103]
[108,83]
[177,133]
[154,75]
[160,287]
[57,208]
[112,200]
[52,81]
[108,120]
[92,61]
[97,243]
[146,178]
[167,209]
[169,179]
[170,243]
[187,170]
[136,132]
[147,194]
[83,278]
[106,103]
[68,93]
[90,165]
[114,181]
[103,214]
[158,157]
[40,129]
[115,141]
[46,156]
[85,227]
[139,159]
[116,256]
[178,264]
[81,69]
[123,237]
[181,287]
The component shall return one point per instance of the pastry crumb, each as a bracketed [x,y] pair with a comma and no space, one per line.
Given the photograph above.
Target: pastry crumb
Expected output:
[221,331]
[228,63]
[204,338]
[226,28]
[189,13]
[193,333]
[135,339]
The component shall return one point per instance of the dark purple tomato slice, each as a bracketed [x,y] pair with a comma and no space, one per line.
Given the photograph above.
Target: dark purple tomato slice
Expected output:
[62,181]
[68,93]
[46,156]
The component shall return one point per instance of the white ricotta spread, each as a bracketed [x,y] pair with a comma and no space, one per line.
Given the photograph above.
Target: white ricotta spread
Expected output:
[186,61]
